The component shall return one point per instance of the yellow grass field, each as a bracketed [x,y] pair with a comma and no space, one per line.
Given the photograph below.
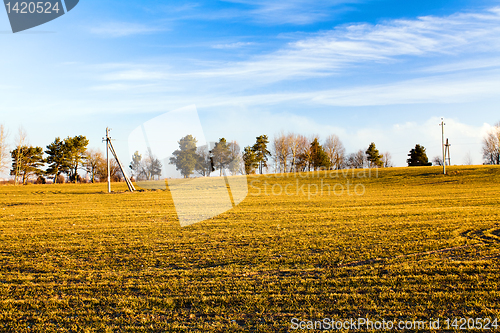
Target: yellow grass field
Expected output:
[405,244]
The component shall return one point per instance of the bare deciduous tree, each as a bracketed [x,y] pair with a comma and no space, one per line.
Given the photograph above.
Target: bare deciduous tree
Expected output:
[152,166]
[303,162]
[468,159]
[236,164]
[335,151]
[387,160]
[20,142]
[204,164]
[4,149]
[356,160]
[491,146]
[281,152]
[94,159]
[101,172]
[294,143]
[437,161]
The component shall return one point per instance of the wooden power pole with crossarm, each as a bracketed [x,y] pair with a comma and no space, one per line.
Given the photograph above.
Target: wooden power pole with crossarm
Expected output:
[110,148]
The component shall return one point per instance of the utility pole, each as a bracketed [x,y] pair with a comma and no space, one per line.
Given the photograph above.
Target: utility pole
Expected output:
[442,143]
[108,139]
[127,180]
[447,151]
[109,147]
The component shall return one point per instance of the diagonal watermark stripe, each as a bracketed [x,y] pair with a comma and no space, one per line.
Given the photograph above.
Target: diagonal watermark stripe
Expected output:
[195,199]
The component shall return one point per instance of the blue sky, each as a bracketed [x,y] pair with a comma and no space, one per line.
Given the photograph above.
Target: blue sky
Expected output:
[382,71]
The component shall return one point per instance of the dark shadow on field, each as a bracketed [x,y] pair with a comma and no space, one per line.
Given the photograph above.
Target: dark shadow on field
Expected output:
[13,204]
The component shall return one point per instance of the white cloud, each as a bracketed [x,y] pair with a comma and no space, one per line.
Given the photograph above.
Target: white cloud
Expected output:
[299,12]
[343,49]
[395,138]
[123,29]
[399,139]
[438,89]
[135,75]
[121,87]
[461,66]
[466,45]
[442,89]
[134,88]
[232,45]
[464,139]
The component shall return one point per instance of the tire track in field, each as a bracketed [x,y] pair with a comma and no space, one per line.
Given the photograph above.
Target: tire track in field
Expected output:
[486,236]
[291,272]
[381,260]
[489,236]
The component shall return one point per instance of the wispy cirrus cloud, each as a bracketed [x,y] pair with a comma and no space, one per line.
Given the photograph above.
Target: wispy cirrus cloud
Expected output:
[123,29]
[446,40]
[466,65]
[136,74]
[297,12]
[442,89]
[335,51]
[270,13]
[235,45]
[451,39]
[439,90]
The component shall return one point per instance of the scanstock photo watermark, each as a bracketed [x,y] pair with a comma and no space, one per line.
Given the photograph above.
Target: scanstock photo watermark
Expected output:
[24,15]
[358,324]
[197,199]
[348,182]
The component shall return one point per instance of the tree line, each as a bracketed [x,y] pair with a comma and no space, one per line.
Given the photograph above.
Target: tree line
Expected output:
[61,160]
[289,153]
[146,168]
[297,153]
[204,160]
[285,153]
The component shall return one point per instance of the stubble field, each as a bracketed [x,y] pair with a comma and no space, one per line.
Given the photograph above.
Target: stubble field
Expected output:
[415,245]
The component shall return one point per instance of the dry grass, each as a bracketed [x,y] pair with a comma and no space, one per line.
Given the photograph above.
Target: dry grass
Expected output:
[416,245]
